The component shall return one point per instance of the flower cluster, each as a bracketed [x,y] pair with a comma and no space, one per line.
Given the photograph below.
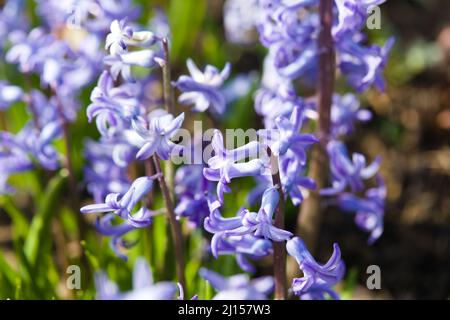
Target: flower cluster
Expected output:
[64,60]
[131,129]
[293,54]
[290,31]
[143,286]
[64,56]
[238,287]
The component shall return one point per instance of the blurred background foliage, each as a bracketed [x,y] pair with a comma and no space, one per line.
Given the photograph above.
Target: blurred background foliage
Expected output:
[41,233]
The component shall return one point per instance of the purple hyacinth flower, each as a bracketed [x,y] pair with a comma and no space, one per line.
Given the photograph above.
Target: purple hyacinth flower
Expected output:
[190,188]
[156,139]
[240,18]
[42,147]
[346,171]
[317,280]
[102,174]
[116,40]
[25,48]
[121,64]
[123,206]
[36,143]
[244,248]
[225,165]
[352,15]
[202,88]
[345,111]
[369,210]
[364,66]
[238,287]
[293,178]
[287,136]
[13,159]
[144,287]
[113,107]
[118,68]
[116,206]
[259,224]
[291,41]
[13,19]
[272,105]
[122,36]
[106,227]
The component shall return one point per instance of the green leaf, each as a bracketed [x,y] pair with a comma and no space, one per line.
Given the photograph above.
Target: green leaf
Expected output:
[39,232]
[186,18]
[161,236]
[89,252]
[7,271]
[19,221]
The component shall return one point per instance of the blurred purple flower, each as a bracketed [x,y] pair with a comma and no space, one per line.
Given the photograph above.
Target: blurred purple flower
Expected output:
[113,107]
[238,287]
[352,15]
[9,94]
[144,287]
[12,20]
[346,171]
[25,48]
[202,88]
[345,111]
[13,159]
[102,174]
[369,210]
[240,18]
[364,66]
[191,188]
[36,143]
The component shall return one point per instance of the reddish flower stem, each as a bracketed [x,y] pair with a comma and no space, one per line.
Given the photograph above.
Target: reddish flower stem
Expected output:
[309,218]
